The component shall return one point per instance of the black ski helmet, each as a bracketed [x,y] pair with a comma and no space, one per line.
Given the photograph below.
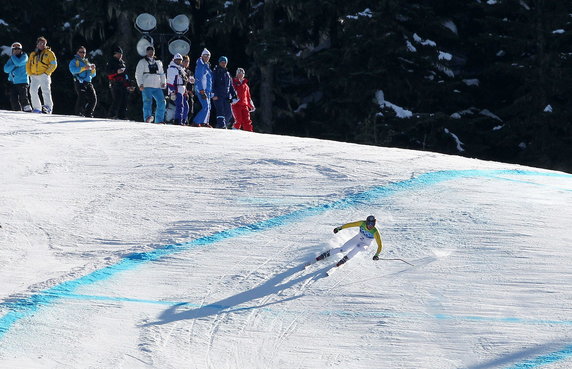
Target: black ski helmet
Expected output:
[370,220]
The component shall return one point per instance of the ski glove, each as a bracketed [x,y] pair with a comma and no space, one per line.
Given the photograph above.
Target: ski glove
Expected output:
[376,257]
[337,229]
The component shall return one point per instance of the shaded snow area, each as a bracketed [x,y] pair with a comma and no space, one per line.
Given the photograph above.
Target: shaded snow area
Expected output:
[132,245]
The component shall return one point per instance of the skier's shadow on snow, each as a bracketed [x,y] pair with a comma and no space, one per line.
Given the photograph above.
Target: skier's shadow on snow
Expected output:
[236,303]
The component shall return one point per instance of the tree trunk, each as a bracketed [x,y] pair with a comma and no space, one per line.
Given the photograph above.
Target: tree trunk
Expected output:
[125,27]
[267,72]
[541,55]
[267,97]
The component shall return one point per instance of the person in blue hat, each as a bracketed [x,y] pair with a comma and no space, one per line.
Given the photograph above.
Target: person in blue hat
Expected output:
[223,93]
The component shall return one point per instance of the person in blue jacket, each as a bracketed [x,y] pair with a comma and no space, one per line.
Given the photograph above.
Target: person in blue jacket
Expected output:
[203,89]
[18,79]
[223,93]
[83,72]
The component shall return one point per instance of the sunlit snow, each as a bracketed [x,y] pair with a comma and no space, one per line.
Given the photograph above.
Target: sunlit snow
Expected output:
[133,245]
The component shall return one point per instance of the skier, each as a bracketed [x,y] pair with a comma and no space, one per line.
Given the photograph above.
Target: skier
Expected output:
[367,233]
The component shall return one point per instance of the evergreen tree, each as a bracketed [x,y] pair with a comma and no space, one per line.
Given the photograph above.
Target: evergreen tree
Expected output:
[495,73]
[522,54]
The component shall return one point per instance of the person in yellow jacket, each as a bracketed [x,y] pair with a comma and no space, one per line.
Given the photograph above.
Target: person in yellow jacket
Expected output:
[41,64]
[367,233]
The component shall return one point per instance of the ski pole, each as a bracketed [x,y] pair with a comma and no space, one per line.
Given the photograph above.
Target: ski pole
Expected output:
[399,260]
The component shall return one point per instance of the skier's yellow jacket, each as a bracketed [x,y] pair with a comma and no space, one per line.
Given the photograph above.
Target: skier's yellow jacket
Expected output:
[41,62]
[372,233]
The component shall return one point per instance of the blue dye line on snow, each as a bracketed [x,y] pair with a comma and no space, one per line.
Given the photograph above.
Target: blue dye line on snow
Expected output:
[503,320]
[26,307]
[533,183]
[553,357]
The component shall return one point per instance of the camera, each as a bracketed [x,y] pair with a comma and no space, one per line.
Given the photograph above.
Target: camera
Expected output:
[153,68]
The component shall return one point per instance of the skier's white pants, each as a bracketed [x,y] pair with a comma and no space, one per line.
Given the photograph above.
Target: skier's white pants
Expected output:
[354,245]
[44,82]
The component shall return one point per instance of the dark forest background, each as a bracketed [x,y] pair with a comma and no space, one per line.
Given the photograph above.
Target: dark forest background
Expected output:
[495,75]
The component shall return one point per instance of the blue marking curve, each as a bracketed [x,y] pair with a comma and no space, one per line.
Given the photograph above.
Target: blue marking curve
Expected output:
[26,307]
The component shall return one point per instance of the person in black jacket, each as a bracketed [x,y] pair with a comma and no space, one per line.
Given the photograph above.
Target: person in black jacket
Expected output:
[119,85]
[223,93]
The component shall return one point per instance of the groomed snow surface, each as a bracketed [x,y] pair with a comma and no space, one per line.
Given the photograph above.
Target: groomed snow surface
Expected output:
[133,245]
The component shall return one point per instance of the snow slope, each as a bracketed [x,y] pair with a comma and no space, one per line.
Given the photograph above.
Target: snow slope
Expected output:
[131,245]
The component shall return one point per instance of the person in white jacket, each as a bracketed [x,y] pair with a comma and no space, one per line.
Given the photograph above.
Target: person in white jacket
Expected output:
[151,80]
[176,82]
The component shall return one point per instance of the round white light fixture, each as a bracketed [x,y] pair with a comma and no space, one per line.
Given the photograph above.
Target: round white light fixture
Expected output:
[180,24]
[180,45]
[143,44]
[145,23]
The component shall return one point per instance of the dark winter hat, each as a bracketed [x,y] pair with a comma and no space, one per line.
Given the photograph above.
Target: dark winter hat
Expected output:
[118,50]
[223,59]
[150,48]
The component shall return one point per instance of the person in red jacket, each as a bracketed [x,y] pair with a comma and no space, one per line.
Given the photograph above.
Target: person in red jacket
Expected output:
[241,110]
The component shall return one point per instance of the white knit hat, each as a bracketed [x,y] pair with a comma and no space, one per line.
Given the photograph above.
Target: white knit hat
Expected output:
[205,52]
[16,45]
[177,56]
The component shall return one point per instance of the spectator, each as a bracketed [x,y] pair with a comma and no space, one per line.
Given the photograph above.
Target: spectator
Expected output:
[151,79]
[83,72]
[190,83]
[18,79]
[118,84]
[41,64]
[203,89]
[242,109]
[176,83]
[223,93]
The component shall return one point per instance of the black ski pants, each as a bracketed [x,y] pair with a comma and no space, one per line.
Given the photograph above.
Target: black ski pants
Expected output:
[19,96]
[86,98]
[118,108]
